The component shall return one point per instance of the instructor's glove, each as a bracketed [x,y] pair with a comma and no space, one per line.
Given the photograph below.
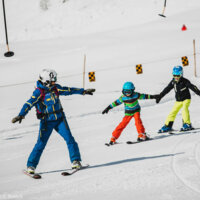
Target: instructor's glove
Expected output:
[107,109]
[158,98]
[89,91]
[17,119]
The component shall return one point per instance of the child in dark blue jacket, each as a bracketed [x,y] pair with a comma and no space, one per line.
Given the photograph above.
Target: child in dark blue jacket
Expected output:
[49,110]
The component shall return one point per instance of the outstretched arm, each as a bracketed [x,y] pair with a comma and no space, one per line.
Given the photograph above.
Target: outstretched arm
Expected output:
[149,96]
[112,105]
[30,103]
[69,90]
[164,92]
[27,106]
[146,96]
[117,102]
[193,88]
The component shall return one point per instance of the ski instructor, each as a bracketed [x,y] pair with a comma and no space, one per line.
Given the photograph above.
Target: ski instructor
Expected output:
[50,112]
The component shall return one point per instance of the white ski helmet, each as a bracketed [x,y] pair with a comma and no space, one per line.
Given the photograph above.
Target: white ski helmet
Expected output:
[47,76]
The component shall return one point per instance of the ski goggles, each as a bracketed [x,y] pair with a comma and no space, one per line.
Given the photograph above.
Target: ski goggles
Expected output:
[127,92]
[177,76]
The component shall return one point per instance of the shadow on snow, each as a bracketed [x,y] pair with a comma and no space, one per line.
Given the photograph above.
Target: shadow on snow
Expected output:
[118,162]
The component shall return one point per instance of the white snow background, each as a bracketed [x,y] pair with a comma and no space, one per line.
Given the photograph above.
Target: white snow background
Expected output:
[115,35]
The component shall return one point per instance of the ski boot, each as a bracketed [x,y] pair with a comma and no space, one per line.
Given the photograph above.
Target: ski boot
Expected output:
[165,129]
[142,137]
[112,141]
[76,164]
[31,170]
[186,127]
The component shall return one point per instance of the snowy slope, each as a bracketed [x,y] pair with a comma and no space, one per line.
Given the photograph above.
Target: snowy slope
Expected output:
[115,35]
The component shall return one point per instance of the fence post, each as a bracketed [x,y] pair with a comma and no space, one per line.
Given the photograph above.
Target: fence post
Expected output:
[84,64]
[195,71]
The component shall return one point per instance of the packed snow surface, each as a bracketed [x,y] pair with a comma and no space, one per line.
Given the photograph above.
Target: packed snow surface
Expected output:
[115,36]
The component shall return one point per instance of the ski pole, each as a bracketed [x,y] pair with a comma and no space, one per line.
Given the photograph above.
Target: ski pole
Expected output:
[162,15]
[9,53]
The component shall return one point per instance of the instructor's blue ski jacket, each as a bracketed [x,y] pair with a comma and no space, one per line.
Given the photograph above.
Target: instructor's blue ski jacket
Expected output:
[46,100]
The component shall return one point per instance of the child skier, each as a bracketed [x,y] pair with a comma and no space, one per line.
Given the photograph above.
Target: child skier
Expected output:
[132,109]
[181,87]
[46,99]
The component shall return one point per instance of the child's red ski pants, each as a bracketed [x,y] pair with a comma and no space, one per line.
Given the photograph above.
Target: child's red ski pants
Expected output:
[138,123]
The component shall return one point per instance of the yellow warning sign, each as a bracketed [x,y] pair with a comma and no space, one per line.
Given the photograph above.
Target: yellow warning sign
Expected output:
[139,69]
[91,76]
[185,61]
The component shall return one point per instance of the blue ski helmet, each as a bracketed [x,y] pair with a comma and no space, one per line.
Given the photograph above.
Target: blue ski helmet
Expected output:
[128,88]
[177,71]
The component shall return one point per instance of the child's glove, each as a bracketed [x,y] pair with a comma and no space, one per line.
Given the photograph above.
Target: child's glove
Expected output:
[107,109]
[18,118]
[89,91]
[153,96]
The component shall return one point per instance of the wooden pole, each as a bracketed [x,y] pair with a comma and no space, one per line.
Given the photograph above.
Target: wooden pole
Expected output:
[195,71]
[84,64]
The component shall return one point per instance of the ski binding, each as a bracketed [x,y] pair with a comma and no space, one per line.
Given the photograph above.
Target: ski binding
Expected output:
[35,175]
[72,171]
[135,142]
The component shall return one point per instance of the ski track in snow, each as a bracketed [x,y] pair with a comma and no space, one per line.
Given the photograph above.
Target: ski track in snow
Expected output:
[186,167]
[197,153]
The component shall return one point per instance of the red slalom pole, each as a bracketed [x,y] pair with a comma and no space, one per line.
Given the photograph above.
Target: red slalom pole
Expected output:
[9,53]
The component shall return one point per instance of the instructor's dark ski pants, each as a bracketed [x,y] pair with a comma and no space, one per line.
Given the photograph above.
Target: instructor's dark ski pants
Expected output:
[61,126]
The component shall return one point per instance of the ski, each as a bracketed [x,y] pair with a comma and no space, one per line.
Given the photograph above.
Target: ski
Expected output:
[172,132]
[169,132]
[72,171]
[135,142]
[193,130]
[108,144]
[35,175]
